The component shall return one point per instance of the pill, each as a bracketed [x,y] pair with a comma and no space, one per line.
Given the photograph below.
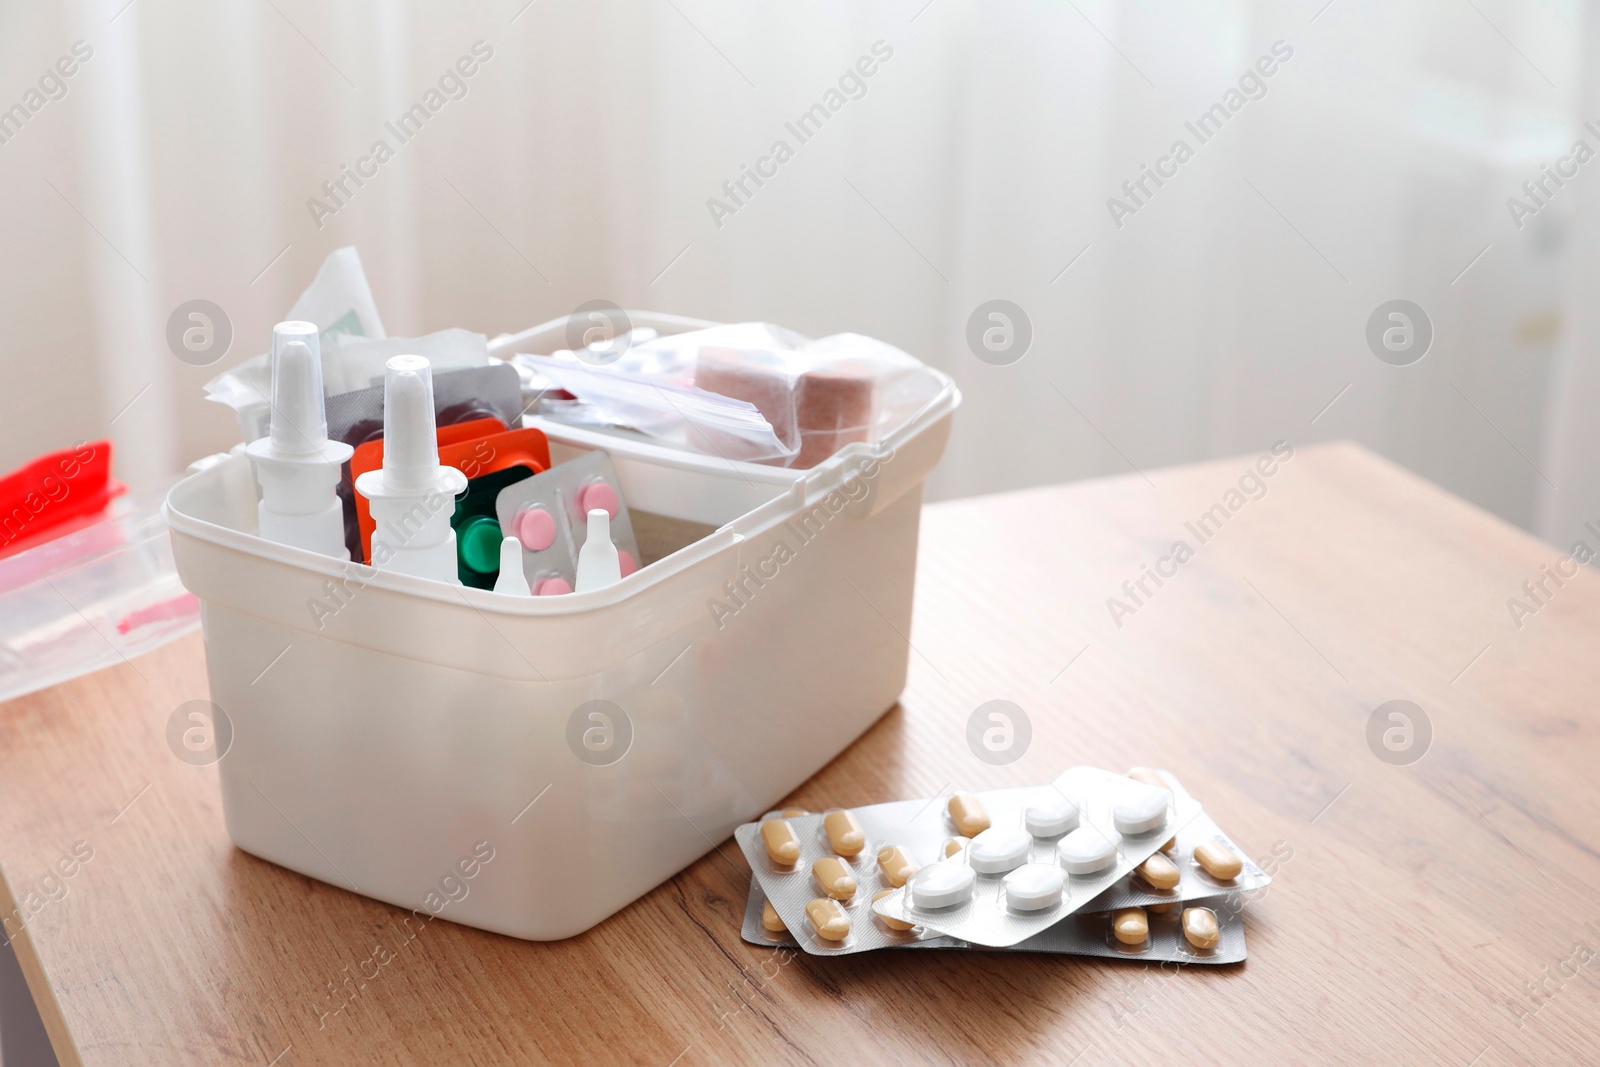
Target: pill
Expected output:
[896,864]
[1148,777]
[828,919]
[769,919]
[626,563]
[844,832]
[793,813]
[535,528]
[968,813]
[1130,926]
[1219,861]
[1035,886]
[1162,909]
[942,885]
[999,849]
[1050,817]
[782,846]
[1172,843]
[1200,927]
[834,878]
[1086,851]
[1160,872]
[954,846]
[598,495]
[552,587]
[893,924]
[1139,809]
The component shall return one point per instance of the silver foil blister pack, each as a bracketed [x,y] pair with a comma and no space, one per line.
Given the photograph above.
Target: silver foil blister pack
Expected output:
[1016,880]
[916,826]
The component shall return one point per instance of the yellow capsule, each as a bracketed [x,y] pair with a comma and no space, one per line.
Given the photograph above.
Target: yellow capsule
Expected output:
[1200,927]
[893,924]
[954,846]
[1160,872]
[769,919]
[1130,926]
[834,877]
[1172,843]
[896,864]
[968,813]
[1162,909]
[844,832]
[1219,861]
[782,846]
[1149,777]
[828,919]
[793,813]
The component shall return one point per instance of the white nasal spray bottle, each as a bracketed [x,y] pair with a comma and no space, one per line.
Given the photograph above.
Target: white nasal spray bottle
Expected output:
[412,497]
[598,565]
[296,466]
[511,579]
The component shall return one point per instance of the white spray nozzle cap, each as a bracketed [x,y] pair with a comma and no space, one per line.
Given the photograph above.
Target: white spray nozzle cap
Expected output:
[410,446]
[299,421]
[598,563]
[511,579]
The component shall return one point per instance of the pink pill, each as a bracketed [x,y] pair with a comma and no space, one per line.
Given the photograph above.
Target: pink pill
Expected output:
[598,495]
[552,587]
[626,562]
[536,529]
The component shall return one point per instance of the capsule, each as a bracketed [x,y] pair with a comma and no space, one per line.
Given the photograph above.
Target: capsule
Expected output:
[828,919]
[1148,777]
[1130,926]
[893,924]
[954,846]
[844,832]
[1172,843]
[769,919]
[1163,908]
[1200,927]
[1219,861]
[896,864]
[968,813]
[834,877]
[793,813]
[1160,872]
[783,848]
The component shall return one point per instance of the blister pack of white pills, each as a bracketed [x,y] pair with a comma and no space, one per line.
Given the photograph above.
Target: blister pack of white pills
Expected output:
[1198,861]
[821,873]
[1036,856]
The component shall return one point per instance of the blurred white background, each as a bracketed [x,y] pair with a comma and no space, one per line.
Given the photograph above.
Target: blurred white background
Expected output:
[1227,313]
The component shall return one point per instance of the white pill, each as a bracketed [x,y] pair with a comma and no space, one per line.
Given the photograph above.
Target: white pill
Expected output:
[942,884]
[1035,886]
[1139,809]
[1086,851]
[999,849]
[1051,817]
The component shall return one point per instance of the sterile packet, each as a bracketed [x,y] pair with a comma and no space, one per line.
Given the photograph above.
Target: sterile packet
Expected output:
[1194,880]
[548,514]
[339,303]
[1016,884]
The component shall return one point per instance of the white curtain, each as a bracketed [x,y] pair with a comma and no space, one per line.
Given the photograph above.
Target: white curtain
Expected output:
[1226,313]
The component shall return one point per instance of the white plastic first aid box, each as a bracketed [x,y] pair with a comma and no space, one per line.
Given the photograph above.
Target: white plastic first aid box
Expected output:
[388,731]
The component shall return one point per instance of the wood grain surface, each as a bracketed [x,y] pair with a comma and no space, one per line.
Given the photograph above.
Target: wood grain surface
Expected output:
[1441,912]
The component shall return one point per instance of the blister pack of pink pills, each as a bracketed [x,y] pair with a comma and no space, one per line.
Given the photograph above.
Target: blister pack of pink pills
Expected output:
[548,514]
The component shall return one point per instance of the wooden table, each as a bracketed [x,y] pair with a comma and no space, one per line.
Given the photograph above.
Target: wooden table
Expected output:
[1419,912]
